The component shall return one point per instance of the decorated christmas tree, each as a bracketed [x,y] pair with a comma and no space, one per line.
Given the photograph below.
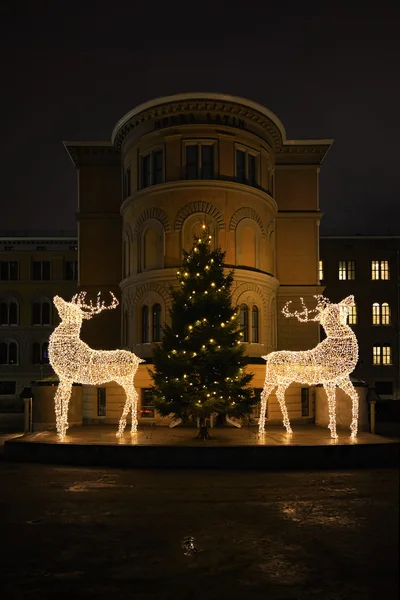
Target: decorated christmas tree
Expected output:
[199,365]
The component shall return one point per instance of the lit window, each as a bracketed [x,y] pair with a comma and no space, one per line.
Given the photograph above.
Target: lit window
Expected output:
[246,167]
[321,270]
[385,313]
[380,269]
[254,325]
[200,161]
[347,270]
[376,314]
[382,355]
[386,355]
[376,355]
[157,323]
[145,324]
[305,402]
[151,169]
[244,322]
[352,319]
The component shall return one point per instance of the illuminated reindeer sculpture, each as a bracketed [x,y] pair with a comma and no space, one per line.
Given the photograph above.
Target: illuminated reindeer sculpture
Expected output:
[75,362]
[329,363]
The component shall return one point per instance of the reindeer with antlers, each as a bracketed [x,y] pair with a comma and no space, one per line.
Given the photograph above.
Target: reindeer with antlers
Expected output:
[75,362]
[329,363]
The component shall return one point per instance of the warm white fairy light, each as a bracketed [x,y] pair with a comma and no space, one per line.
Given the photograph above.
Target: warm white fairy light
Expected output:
[329,363]
[75,362]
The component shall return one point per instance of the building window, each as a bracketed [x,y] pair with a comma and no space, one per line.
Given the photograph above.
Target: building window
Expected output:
[71,270]
[9,353]
[41,270]
[145,324]
[244,322]
[352,318]
[9,312]
[8,270]
[147,407]
[254,325]
[8,388]
[40,353]
[382,354]
[257,407]
[156,323]
[151,168]
[305,402]
[200,161]
[321,270]
[246,167]
[126,183]
[385,313]
[101,402]
[41,312]
[347,270]
[380,269]
[380,313]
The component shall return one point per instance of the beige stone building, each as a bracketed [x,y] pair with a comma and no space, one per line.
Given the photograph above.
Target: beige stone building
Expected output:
[34,267]
[173,164]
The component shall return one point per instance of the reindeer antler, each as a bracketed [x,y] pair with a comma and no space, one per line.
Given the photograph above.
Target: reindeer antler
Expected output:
[93,309]
[300,315]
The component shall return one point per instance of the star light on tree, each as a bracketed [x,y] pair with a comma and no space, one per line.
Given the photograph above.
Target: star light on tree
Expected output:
[199,365]
[329,363]
[75,362]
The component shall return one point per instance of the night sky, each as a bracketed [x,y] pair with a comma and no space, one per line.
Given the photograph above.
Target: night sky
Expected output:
[71,69]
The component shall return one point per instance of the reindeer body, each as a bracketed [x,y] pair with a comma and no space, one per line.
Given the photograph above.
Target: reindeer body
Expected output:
[75,362]
[329,363]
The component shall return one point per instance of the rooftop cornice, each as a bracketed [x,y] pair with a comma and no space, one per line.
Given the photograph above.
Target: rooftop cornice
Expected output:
[240,108]
[303,152]
[92,153]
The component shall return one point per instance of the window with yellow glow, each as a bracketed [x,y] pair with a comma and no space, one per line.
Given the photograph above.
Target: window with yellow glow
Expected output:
[347,270]
[385,313]
[352,318]
[382,355]
[380,269]
[376,314]
[321,270]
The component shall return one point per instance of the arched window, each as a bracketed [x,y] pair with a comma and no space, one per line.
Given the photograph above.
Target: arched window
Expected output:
[376,314]
[193,229]
[247,242]
[254,325]
[9,312]
[40,353]
[145,324]
[156,323]
[152,241]
[41,312]
[385,313]
[244,322]
[9,353]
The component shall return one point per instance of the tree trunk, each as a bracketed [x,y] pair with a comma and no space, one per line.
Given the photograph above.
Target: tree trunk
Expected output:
[203,431]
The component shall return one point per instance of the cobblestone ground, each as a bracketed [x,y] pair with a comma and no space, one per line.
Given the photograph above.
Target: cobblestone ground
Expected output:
[108,533]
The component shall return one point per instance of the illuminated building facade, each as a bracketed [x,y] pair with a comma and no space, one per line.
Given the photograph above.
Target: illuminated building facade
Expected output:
[173,164]
[369,268]
[34,268]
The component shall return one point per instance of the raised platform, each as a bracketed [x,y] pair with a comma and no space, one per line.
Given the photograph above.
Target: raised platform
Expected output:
[309,447]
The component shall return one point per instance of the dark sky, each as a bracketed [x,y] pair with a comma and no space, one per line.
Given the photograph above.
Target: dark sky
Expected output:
[71,69]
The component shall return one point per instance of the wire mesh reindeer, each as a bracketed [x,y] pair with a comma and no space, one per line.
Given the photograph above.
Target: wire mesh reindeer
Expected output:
[329,363]
[75,362]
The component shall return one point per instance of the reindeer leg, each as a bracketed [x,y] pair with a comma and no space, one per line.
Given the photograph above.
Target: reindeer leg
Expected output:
[264,400]
[330,389]
[134,406]
[280,394]
[350,390]
[61,400]
[127,405]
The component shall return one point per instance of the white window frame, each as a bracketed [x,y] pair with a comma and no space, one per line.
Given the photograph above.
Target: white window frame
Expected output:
[200,142]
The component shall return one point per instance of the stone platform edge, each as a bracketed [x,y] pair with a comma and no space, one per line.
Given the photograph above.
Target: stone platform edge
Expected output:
[207,457]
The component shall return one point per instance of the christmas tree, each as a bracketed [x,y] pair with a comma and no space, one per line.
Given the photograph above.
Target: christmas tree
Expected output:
[199,365]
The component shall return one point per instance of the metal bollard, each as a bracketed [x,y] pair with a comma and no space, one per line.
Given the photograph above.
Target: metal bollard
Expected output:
[372,415]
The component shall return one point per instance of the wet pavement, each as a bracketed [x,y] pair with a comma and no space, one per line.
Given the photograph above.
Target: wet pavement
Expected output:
[109,533]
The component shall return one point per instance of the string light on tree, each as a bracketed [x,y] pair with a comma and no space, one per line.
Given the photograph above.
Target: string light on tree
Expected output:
[75,362]
[329,363]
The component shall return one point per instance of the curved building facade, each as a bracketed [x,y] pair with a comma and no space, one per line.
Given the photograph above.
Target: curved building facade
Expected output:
[174,164]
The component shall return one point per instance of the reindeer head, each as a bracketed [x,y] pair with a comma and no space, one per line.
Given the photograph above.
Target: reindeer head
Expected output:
[325,313]
[77,310]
